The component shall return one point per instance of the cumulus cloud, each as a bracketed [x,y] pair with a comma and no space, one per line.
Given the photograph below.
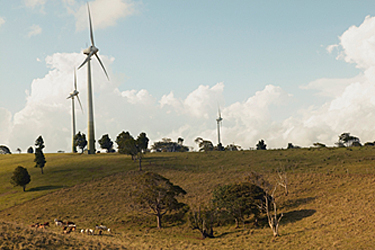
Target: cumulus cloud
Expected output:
[330,87]
[2,21]
[34,3]
[349,106]
[34,30]
[103,13]
[198,103]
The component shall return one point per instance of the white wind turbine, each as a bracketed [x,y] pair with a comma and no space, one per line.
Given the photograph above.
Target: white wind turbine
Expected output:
[90,51]
[218,120]
[73,94]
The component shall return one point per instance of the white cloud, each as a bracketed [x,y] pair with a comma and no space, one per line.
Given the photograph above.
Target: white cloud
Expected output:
[330,48]
[34,3]
[34,30]
[349,107]
[2,21]
[329,87]
[5,125]
[103,13]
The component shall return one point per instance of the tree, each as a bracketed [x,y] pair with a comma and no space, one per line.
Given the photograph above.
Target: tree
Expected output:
[204,145]
[121,141]
[4,150]
[19,150]
[80,141]
[319,145]
[220,147]
[30,150]
[268,204]
[261,145]
[141,144]
[202,219]
[180,140]
[39,160]
[345,139]
[20,177]
[106,143]
[232,147]
[167,145]
[156,195]
[238,200]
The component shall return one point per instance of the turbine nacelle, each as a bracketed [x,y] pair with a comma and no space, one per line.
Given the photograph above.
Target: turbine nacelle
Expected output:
[219,119]
[73,94]
[90,50]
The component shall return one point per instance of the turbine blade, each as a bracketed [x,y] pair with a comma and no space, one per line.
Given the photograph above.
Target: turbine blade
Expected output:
[85,61]
[102,65]
[80,103]
[91,33]
[75,79]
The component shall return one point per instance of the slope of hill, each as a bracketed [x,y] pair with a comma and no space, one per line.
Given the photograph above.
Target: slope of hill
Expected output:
[329,204]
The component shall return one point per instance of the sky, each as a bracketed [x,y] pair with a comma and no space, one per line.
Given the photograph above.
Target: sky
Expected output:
[283,71]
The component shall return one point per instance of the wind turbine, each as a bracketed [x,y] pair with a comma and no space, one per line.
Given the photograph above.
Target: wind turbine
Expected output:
[218,120]
[90,51]
[73,94]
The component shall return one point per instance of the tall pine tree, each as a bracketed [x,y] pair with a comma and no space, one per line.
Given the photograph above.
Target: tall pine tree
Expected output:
[39,160]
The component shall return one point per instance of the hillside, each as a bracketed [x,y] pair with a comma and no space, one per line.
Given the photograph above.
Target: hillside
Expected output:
[329,204]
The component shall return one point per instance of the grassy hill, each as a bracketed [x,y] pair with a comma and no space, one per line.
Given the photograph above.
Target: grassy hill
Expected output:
[329,206]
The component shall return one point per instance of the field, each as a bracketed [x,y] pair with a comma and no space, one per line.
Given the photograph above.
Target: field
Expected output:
[329,206]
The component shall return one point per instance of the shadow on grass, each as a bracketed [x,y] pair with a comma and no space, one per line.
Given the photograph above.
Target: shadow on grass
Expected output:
[42,188]
[297,202]
[297,215]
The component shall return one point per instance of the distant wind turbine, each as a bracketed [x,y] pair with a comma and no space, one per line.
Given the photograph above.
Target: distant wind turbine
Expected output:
[73,94]
[90,51]
[218,120]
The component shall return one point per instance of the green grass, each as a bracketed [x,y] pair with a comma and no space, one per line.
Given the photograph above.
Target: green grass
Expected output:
[330,205]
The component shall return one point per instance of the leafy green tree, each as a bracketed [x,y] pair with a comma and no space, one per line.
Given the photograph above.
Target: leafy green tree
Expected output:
[345,139]
[180,140]
[319,145]
[142,144]
[220,147]
[232,147]
[20,177]
[238,200]
[106,143]
[80,141]
[30,150]
[131,147]
[261,145]
[39,160]
[167,145]
[156,195]
[204,145]
[121,142]
[4,150]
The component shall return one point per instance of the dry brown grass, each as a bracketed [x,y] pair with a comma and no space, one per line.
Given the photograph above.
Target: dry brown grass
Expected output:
[329,206]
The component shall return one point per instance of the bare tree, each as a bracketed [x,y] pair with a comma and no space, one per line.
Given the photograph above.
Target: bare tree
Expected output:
[269,204]
[282,180]
[202,220]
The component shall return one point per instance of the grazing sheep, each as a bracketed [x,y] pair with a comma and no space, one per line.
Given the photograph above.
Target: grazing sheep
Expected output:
[89,231]
[58,222]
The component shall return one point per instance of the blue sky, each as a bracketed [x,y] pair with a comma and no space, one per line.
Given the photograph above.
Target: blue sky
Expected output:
[226,50]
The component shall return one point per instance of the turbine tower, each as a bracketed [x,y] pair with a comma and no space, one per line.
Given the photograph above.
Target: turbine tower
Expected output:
[218,120]
[71,96]
[90,51]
